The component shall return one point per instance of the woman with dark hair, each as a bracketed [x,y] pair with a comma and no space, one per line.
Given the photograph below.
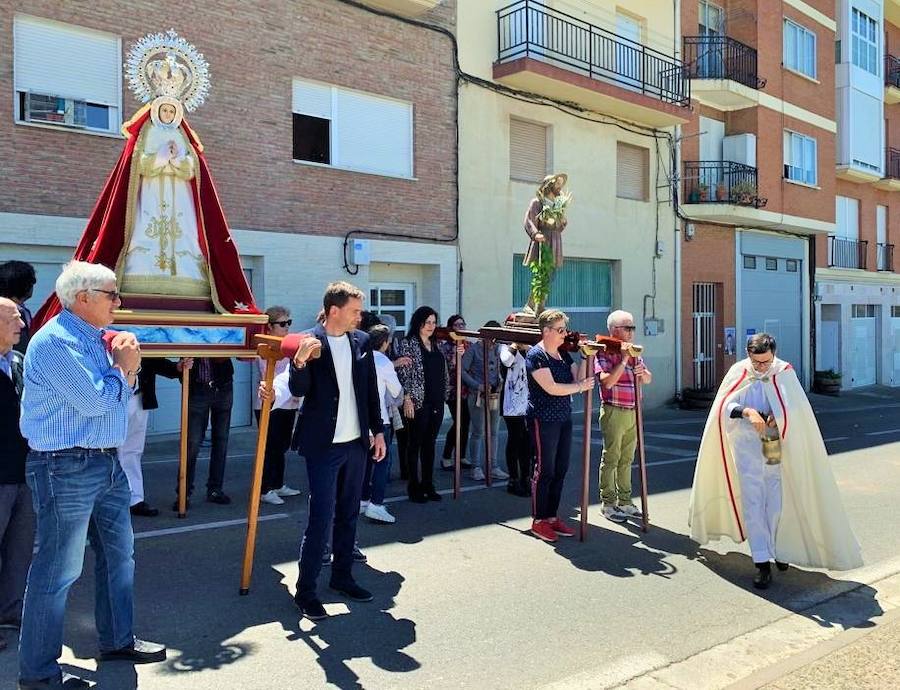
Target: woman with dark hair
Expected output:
[425,381]
[455,323]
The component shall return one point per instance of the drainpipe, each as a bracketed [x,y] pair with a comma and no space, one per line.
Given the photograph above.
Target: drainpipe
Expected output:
[676,30]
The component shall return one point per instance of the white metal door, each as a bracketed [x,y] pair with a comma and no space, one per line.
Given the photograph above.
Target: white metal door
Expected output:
[393,299]
[628,52]
[895,340]
[704,335]
[863,346]
[830,346]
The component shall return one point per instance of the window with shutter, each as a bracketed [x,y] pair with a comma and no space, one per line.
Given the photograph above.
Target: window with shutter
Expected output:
[528,160]
[632,172]
[352,130]
[52,88]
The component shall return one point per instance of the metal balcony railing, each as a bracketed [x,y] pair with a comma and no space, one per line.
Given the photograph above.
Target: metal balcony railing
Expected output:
[892,163]
[846,253]
[885,256]
[892,71]
[721,182]
[531,29]
[721,57]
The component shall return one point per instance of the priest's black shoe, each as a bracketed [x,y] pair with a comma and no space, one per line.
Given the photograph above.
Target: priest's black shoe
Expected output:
[311,608]
[351,590]
[782,566]
[417,497]
[763,577]
[144,509]
[433,495]
[138,652]
[67,680]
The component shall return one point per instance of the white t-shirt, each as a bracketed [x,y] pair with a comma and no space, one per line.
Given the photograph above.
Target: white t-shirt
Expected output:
[347,427]
[387,383]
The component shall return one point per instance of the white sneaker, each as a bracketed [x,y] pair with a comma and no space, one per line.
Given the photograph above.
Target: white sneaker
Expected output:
[271,497]
[379,514]
[477,474]
[363,505]
[286,491]
[614,514]
[497,473]
[631,510]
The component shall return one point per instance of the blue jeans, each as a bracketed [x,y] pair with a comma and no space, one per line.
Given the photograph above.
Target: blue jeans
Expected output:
[335,487]
[76,493]
[378,473]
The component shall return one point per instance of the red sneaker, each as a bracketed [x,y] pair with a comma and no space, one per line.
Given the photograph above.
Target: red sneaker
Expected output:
[561,528]
[542,530]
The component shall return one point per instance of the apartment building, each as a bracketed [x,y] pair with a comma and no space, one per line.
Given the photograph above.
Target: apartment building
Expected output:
[330,131]
[857,289]
[598,94]
[757,183]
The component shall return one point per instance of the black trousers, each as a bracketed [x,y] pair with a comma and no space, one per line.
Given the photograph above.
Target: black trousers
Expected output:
[423,431]
[278,442]
[518,450]
[450,439]
[552,446]
[208,406]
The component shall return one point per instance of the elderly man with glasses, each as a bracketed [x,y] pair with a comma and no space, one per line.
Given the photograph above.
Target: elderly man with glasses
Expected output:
[74,415]
[617,374]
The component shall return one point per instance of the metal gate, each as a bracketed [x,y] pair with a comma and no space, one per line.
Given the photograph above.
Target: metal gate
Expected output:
[704,335]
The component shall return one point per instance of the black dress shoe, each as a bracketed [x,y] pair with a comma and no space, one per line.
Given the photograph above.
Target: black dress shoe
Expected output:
[351,590]
[418,498]
[311,609]
[433,495]
[144,509]
[66,681]
[217,496]
[782,566]
[763,577]
[139,652]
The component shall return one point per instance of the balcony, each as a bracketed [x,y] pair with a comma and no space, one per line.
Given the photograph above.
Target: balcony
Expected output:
[554,54]
[408,8]
[884,257]
[846,253]
[891,179]
[722,72]
[721,182]
[891,79]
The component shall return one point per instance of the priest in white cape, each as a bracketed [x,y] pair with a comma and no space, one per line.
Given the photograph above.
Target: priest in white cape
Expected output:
[790,511]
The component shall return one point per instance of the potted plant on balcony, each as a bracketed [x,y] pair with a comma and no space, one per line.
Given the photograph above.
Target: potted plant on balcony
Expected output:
[827,382]
[743,192]
[704,191]
[720,192]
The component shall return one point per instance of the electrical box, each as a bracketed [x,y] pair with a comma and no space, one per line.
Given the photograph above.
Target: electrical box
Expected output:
[740,148]
[359,252]
[653,326]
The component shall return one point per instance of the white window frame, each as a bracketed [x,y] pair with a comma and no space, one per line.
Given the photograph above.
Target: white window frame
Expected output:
[864,51]
[114,108]
[409,290]
[800,61]
[803,171]
[335,119]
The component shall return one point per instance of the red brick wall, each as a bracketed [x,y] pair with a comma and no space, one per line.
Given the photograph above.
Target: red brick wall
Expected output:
[254,50]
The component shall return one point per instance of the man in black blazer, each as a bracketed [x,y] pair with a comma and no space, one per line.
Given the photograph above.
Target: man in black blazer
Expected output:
[334,372]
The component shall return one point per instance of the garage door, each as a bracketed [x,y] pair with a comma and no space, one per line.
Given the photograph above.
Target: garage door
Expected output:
[771,302]
[895,342]
[863,352]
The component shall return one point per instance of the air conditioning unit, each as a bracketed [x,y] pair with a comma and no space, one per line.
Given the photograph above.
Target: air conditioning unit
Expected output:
[39,107]
[740,148]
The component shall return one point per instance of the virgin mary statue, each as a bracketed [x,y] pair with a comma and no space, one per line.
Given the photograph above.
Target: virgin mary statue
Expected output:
[158,221]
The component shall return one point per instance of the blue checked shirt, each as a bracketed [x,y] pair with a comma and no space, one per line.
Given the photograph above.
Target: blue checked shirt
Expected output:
[73,394]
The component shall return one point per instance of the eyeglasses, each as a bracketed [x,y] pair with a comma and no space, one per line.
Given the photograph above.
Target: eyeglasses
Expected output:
[112,294]
[627,328]
[559,329]
[284,324]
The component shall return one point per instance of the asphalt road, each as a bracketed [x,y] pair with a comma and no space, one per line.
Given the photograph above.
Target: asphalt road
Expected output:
[464,597]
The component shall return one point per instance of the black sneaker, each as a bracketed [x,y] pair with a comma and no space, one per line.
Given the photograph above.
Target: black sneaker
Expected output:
[351,590]
[66,680]
[763,577]
[217,496]
[311,609]
[358,556]
[144,509]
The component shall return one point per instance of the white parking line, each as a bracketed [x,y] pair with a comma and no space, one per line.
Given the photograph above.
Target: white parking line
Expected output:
[204,525]
[882,433]
[673,437]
